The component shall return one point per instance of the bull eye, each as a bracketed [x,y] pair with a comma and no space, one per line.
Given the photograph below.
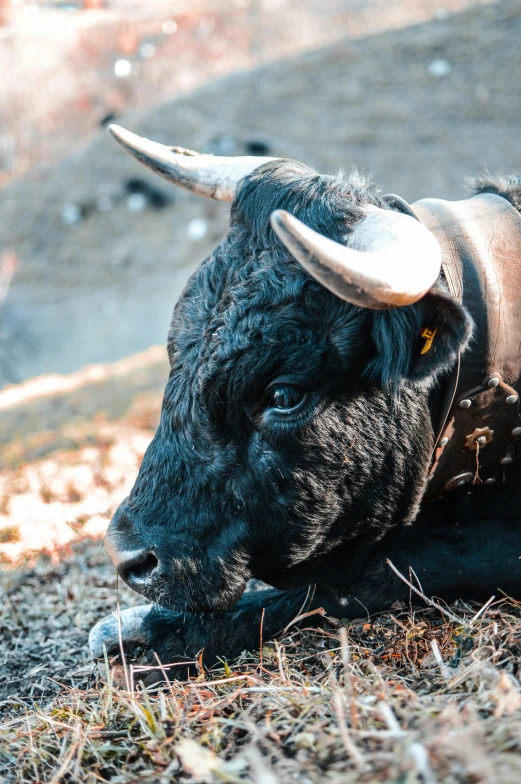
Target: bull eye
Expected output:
[285,398]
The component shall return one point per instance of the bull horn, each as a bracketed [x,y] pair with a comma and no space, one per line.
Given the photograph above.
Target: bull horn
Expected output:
[212,176]
[391,260]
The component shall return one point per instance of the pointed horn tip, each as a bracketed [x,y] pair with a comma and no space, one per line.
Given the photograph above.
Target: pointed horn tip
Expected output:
[119,133]
[130,141]
[281,221]
[114,129]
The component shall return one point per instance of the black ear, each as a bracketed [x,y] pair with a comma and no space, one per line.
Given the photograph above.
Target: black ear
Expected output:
[421,341]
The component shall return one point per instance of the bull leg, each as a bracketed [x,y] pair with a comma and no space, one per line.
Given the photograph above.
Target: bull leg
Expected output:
[473,561]
[179,637]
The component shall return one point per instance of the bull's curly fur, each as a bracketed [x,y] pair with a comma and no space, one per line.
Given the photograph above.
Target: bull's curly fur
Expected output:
[230,490]
[506,185]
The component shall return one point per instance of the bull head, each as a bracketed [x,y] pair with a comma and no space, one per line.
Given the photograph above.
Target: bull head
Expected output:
[280,431]
[390,259]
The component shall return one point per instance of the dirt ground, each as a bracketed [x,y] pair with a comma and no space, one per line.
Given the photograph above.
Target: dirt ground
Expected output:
[61,59]
[377,102]
[405,697]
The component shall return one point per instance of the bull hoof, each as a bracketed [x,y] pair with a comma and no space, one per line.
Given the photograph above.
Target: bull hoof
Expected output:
[151,638]
[112,632]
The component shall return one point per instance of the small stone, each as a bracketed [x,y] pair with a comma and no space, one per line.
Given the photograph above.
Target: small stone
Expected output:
[466,403]
[137,202]
[122,68]
[169,27]
[304,740]
[511,399]
[490,481]
[445,441]
[71,215]
[439,69]
[197,229]
[493,382]
[147,51]
[516,431]
[506,460]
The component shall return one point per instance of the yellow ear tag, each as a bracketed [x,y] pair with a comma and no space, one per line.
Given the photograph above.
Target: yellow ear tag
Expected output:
[428,334]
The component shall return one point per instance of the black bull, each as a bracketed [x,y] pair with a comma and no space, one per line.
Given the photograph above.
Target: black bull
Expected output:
[294,447]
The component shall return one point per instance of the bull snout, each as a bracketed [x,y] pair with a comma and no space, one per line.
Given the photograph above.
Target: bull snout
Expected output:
[172,567]
[136,561]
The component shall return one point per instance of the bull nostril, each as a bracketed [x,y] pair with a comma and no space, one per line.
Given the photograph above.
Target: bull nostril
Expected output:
[139,569]
[143,570]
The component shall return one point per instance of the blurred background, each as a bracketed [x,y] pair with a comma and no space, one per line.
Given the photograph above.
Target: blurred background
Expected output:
[94,250]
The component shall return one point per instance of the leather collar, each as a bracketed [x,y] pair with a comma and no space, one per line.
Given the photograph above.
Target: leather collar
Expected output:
[478,434]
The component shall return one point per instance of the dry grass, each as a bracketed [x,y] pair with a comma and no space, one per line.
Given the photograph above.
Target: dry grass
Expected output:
[404,697]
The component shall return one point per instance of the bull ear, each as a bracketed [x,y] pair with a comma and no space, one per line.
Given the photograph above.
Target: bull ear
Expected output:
[419,342]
